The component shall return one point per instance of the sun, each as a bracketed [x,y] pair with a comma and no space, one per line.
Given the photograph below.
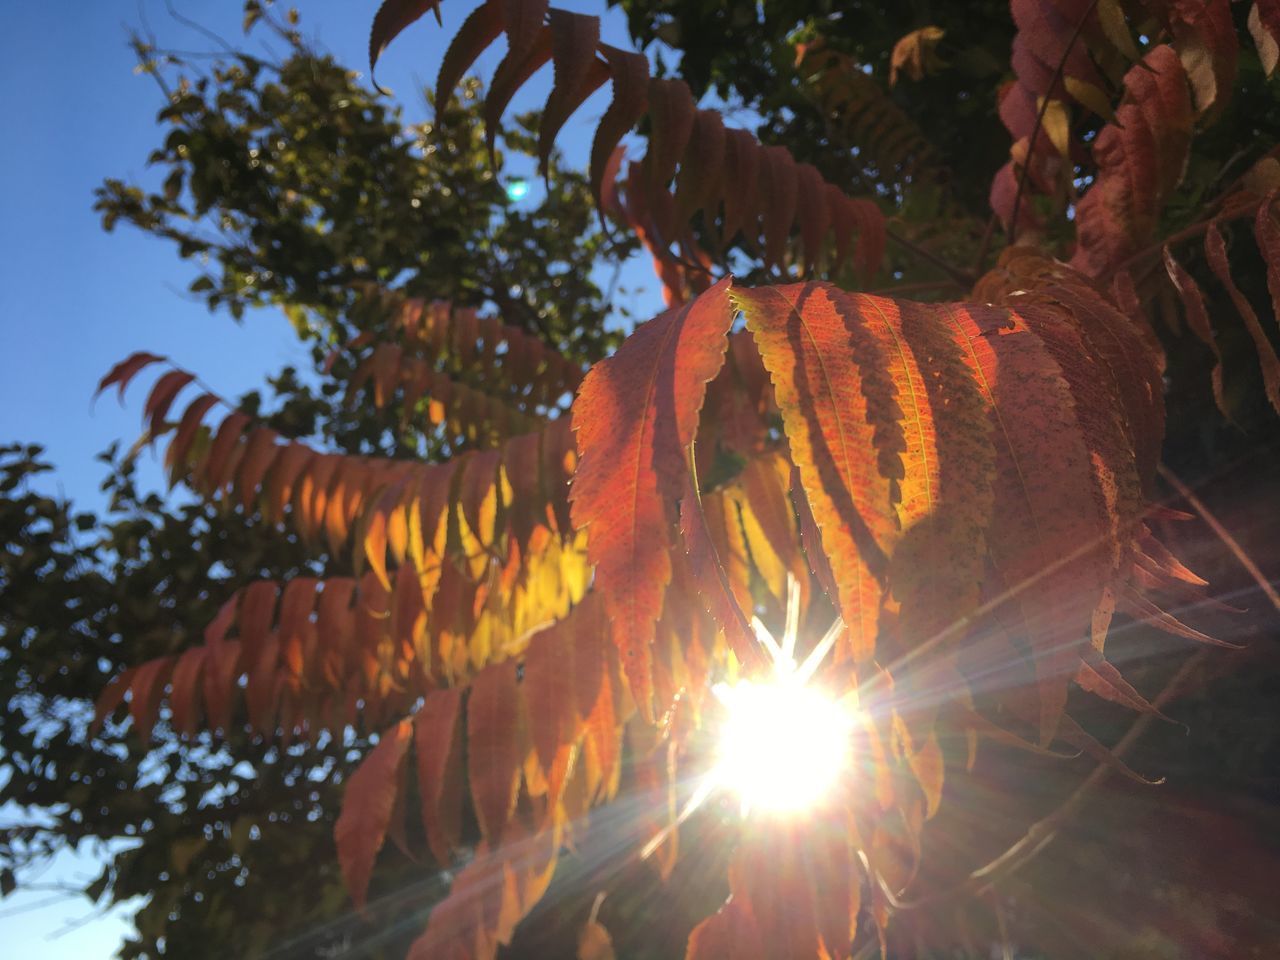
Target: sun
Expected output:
[782,744]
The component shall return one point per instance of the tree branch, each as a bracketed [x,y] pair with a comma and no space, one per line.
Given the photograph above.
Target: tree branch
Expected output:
[1043,831]
[959,276]
[1222,533]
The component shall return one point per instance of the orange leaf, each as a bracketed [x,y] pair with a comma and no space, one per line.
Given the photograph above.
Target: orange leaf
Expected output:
[636,415]
[728,934]
[815,371]
[549,692]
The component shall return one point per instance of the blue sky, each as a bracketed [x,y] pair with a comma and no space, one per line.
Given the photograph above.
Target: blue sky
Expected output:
[75,300]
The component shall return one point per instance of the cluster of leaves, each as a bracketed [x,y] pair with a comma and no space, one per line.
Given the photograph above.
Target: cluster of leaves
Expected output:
[297,184]
[734,187]
[968,486]
[226,824]
[205,829]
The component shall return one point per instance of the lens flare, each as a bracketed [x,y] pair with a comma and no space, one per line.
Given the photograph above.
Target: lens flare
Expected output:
[783,744]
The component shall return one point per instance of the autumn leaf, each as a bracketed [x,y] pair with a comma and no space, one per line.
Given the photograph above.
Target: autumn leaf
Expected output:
[361,828]
[635,416]
[916,54]
[811,359]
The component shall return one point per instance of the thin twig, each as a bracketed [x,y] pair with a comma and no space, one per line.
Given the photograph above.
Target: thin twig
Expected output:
[1222,533]
[985,246]
[198,27]
[959,276]
[1043,831]
[1035,130]
[915,287]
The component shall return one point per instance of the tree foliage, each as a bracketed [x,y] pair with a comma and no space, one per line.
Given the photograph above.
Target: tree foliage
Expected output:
[527,628]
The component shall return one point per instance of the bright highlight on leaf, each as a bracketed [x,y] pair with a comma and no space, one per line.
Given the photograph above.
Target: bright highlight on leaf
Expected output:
[783,744]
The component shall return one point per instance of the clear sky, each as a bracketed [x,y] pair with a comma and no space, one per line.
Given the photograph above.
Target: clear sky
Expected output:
[74,300]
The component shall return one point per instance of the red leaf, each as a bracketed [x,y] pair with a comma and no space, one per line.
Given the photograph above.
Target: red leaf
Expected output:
[182,699]
[175,457]
[636,415]
[367,803]
[220,464]
[630,74]
[111,697]
[741,180]
[549,692]
[1216,252]
[161,398]
[392,17]
[260,453]
[780,184]
[145,692]
[578,74]
[702,166]
[289,464]
[1140,158]
[222,667]
[1043,534]
[589,630]
[520,63]
[126,370]
[296,607]
[257,609]
[814,212]
[671,113]
[475,36]
[437,739]
[493,746]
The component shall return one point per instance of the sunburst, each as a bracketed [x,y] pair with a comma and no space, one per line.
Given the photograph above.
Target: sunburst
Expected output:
[782,742]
